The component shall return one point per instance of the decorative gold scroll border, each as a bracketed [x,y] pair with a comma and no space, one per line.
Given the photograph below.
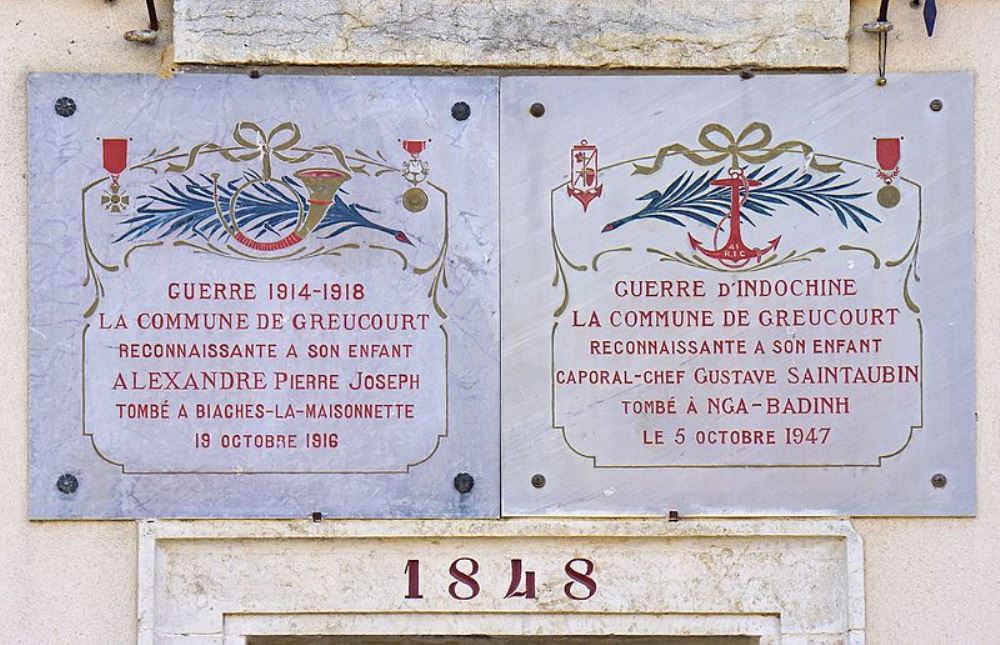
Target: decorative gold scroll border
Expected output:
[437,268]
[909,256]
[403,470]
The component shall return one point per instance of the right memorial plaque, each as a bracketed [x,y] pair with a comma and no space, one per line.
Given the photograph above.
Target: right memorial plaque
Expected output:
[739,297]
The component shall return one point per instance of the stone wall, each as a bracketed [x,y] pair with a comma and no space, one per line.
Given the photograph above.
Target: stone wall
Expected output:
[526,33]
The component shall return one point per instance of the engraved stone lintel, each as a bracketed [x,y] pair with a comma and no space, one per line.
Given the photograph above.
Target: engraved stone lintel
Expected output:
[521,33]
[780,581]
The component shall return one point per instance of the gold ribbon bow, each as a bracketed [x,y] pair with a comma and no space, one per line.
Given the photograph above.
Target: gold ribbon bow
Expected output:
[750,146]
[254,143]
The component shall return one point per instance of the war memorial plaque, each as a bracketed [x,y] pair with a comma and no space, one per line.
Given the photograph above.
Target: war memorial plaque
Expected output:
[279,296]
[726,296]
[263,297]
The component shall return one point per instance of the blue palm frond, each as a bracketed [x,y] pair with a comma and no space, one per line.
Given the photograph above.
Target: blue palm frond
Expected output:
[186,209]
[692,198]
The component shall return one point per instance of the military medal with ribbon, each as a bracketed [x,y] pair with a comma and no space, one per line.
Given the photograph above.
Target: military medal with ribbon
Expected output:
[415,170]
[115,157]
[887,154]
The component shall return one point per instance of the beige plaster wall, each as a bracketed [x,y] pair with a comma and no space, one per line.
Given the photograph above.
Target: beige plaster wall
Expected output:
[60,582]
[938,580]
[928,581]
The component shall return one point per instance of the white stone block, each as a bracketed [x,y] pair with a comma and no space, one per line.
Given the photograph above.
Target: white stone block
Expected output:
[799,34]
[796,581]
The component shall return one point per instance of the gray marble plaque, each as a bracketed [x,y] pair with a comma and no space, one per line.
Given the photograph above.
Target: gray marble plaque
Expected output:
[274,297]
[737,297]
[263,298]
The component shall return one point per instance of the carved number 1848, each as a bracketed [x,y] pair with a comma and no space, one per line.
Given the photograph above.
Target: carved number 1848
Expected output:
[579,573]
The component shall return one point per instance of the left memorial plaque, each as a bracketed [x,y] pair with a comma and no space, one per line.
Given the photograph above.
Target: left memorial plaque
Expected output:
[263,297]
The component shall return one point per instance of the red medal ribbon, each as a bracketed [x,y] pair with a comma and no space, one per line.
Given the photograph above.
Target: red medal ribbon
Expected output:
[414,146]
[887,153]
[115,156]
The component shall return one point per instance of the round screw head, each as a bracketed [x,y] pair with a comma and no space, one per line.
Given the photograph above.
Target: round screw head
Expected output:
[538,480]
[937,105]
[464,483]
[939,481]
[461,111]
[67,484]
[536,110]
[65,106]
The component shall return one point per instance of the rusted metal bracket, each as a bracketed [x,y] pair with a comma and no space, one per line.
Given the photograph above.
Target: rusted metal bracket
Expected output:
[148,35]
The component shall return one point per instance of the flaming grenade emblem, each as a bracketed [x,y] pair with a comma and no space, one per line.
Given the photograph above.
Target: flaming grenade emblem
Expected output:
[583,184]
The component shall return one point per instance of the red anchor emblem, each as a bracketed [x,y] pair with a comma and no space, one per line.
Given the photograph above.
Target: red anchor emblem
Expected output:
[734,253]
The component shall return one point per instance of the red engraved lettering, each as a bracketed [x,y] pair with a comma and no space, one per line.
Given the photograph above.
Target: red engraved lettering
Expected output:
[516,572]
[580,577]
[463,578]
[412,572]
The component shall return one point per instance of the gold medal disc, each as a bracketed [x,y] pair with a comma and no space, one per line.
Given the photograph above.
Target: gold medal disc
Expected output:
[414,200]
[888,196]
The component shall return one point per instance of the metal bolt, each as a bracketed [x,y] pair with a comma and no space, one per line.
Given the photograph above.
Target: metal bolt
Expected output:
[460,111]
[937,105]
[939,481]
[538,480]
[464,483]
[146,35]
[536,110]
[65,106]
[255,73]
[877,27]
[67,484]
